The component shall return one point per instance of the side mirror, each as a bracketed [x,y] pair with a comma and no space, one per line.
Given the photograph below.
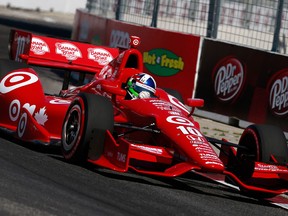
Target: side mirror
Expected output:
[194,102]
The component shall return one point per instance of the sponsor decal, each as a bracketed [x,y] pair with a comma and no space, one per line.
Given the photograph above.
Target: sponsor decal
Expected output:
[121,157]
[14,110]
[68,50]
[278,93]
[179,120]
[214,163]
[16,80]
[175,110]
[134,41]
[21,42]
[174,113]
[38,46]
[41,116]
[15,107]
[228,79]
[109,154]
[149,149]
[163,105]
[119,39]
[269,168]
[163,62]
[59,101]
[102,56]
[22,125]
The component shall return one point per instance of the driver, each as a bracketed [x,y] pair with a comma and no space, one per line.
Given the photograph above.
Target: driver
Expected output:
[140,85]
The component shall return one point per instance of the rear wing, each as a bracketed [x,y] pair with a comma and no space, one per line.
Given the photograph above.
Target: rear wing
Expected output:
[52,52]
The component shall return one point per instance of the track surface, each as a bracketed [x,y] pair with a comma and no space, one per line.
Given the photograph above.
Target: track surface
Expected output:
[36,181]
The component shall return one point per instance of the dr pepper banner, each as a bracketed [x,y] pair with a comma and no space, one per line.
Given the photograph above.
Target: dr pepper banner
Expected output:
[170,57]
[243,82]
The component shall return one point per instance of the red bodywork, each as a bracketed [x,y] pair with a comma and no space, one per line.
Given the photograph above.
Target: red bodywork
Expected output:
[175,147]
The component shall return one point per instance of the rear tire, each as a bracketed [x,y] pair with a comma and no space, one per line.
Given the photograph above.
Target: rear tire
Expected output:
[84,127]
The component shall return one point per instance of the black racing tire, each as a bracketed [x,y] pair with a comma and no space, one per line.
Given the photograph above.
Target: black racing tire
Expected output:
[175,94]
[7,66]
[261,141]
[84,127]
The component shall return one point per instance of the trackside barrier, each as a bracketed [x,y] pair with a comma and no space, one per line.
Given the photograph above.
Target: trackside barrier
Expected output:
[249,84]
[237,81]
[170,57]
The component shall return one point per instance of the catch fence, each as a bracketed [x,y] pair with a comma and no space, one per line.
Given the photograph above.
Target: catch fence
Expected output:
[261,24]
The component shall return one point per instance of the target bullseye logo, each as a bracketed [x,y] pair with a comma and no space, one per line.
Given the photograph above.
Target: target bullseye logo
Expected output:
[14,110]
[22,125]
[16,80]
[179,120]
[136,42]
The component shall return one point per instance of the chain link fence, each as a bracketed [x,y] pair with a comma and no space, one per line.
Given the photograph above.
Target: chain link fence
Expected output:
[261,24]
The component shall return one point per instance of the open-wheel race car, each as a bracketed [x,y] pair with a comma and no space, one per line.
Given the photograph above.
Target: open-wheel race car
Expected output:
[97,121]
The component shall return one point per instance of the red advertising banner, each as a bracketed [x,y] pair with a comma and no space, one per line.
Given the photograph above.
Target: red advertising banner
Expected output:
[89,28]
[170,57]
[242,82]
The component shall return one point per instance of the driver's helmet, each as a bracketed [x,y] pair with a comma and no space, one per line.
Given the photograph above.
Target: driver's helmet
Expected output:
[140,85]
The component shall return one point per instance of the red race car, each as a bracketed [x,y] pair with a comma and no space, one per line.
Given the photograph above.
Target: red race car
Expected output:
[110,113]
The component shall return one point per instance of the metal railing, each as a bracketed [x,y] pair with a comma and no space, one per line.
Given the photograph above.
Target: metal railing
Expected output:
[261,24]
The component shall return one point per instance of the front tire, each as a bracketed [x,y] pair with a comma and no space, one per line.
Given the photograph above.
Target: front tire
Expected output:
[86,122]
[261,142]
[264,140]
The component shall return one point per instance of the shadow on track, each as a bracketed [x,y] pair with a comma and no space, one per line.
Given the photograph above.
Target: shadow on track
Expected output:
[189,182]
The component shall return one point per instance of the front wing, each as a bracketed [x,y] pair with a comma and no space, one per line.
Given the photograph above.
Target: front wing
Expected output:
[119,156]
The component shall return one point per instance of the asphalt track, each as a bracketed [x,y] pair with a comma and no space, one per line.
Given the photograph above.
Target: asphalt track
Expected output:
[36,181]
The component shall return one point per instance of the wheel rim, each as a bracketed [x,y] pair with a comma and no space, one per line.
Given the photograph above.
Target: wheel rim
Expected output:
[251,142]
[247,157]
[72,128]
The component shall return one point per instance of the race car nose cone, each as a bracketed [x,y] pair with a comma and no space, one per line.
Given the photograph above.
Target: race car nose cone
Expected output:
[213,166]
